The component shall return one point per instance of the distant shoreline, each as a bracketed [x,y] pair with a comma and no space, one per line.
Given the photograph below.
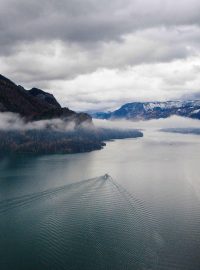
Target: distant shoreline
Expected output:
[60,142]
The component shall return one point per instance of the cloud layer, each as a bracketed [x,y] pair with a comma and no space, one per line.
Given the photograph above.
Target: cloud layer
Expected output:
[98,54]
[12,121]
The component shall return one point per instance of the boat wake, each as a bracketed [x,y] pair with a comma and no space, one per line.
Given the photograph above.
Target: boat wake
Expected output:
[92,224]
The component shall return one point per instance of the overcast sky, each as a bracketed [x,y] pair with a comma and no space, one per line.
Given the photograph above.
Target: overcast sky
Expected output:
[99,54]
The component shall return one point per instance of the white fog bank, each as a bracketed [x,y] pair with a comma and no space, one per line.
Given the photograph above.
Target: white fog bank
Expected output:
[171,122]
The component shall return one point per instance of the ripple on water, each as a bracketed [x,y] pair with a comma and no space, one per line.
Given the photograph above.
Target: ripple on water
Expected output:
[93,224]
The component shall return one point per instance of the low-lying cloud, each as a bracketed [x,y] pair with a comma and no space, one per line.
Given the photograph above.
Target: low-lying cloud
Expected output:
[12,121]
[155,124]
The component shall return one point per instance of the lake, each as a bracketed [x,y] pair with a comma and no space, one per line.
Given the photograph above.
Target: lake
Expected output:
[60,212]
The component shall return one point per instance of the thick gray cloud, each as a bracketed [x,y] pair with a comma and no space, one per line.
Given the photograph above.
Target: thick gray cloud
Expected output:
[56,60]
[58,44]
[89,20]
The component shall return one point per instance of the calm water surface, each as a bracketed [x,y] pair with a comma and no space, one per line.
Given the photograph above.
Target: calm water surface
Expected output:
[57,212]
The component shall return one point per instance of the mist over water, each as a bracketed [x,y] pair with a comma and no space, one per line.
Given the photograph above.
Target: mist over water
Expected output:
[171,122]
[57,212]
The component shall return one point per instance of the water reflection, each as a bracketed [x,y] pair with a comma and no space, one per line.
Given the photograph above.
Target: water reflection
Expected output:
[161,170]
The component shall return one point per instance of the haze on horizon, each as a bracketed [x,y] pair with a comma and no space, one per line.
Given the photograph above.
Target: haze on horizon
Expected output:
[97,55]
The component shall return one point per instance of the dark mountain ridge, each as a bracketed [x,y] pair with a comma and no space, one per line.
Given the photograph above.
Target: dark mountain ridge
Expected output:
[34,104]
[44,96]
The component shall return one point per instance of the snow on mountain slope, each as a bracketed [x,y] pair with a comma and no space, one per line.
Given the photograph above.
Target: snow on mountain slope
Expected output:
[153,110]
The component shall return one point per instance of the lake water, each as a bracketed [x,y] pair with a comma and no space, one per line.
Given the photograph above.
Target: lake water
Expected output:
[58,212]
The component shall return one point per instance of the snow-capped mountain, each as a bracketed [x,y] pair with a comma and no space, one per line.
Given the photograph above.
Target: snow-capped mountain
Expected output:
[153,110]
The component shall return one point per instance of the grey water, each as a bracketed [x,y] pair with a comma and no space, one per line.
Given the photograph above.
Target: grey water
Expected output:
[59,212]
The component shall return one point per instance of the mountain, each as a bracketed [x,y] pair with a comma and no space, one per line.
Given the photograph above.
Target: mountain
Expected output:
[34,104]
[153,110]
[29,137]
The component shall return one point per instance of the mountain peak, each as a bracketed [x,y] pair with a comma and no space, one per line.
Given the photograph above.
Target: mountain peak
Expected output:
[45,97]
[153,110]
[34,104]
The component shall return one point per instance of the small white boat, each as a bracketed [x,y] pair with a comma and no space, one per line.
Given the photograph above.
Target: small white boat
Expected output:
[106,176]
